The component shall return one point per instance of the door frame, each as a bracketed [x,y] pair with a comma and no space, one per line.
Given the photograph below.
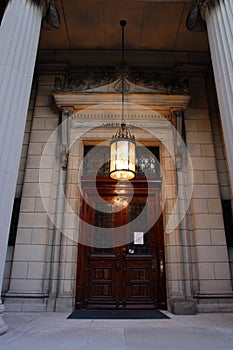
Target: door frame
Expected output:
[108,187]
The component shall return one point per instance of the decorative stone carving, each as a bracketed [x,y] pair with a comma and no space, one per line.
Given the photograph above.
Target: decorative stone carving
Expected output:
[90,79]
[64,152]
[195,22]
[64,146]
[51,16]
[84,80]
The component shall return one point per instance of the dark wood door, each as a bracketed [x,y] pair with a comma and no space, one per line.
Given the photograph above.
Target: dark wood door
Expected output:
[124,267]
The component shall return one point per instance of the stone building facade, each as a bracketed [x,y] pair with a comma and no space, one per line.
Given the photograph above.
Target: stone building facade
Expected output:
[57,104]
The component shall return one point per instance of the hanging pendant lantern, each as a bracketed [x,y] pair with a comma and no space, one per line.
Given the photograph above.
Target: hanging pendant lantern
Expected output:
[123,144]
[123,149]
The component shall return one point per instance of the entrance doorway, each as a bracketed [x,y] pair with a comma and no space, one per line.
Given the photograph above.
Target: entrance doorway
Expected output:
[123,268]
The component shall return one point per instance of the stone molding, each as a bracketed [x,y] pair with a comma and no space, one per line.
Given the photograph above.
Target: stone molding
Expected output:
[62,69]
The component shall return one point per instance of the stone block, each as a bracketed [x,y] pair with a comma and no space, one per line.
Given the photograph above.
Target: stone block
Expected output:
[225,192]
[51,123]
[23,236]
[33,220]
[33,162]
[222,270]
[65,304]
[203,163]
[46,175]
[26,286]
[215,286]
[19,269]
[38,123]
[198,177]
[183,307]
[31,175]
[7,270]
[42,101]
[206,191]
[175,271]
[203,125]
[194,150]
[39,236]
[27,204]
[218,237]
[211,177]
[36,270]
[214,205]
[44,111]
[207,151]
[199,206]
[191,125]
[219,152]
[39,204]
[47,162]
[206,271]
[36,189]
[201,137]
[212,254]
[34,305]
[208,221]
[223,180]
[202,237]
[174,254]
[35,148]
[40,136]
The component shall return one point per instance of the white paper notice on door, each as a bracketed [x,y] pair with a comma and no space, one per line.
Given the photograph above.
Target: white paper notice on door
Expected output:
[138,237]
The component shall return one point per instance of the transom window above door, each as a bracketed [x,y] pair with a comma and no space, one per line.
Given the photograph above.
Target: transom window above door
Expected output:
[96,161]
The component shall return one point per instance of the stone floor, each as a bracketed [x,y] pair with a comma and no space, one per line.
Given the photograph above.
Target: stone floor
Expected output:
[45,331]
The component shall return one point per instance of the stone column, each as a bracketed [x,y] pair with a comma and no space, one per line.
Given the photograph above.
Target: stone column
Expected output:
[19,35]
[219,18]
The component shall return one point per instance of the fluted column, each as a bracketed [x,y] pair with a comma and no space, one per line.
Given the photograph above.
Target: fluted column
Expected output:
[219,19]
[19,36]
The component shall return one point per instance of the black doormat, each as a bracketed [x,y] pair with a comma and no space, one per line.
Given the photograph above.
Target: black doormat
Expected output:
[117,314]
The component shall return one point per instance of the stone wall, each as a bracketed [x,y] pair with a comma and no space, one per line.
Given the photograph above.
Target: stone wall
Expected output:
[44,269]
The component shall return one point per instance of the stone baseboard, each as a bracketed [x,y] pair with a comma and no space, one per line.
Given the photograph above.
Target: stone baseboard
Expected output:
[35,302]
[214,302]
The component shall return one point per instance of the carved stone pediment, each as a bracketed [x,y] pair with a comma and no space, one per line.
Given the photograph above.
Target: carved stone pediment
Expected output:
[109,81]
[83,88]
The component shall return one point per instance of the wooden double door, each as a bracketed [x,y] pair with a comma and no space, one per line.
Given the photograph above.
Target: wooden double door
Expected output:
[123,264]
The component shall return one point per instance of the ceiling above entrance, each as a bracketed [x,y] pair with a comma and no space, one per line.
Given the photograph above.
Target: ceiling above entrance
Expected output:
[152,25]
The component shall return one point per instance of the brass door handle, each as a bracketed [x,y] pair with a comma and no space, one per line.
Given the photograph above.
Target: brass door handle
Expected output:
[161,264]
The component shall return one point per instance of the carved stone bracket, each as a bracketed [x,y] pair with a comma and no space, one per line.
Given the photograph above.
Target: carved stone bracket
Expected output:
[64,147]
[180,152]
[196,18]
[51,16]
[195,21]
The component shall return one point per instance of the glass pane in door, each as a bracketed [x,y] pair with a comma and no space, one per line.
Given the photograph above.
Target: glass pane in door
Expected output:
[103,219]
[139,240]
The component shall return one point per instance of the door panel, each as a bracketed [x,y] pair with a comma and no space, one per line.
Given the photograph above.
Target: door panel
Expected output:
[102,287]
[125,275]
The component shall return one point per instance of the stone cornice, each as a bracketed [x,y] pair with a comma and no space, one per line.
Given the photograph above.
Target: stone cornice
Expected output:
[182,70]
[106,101]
